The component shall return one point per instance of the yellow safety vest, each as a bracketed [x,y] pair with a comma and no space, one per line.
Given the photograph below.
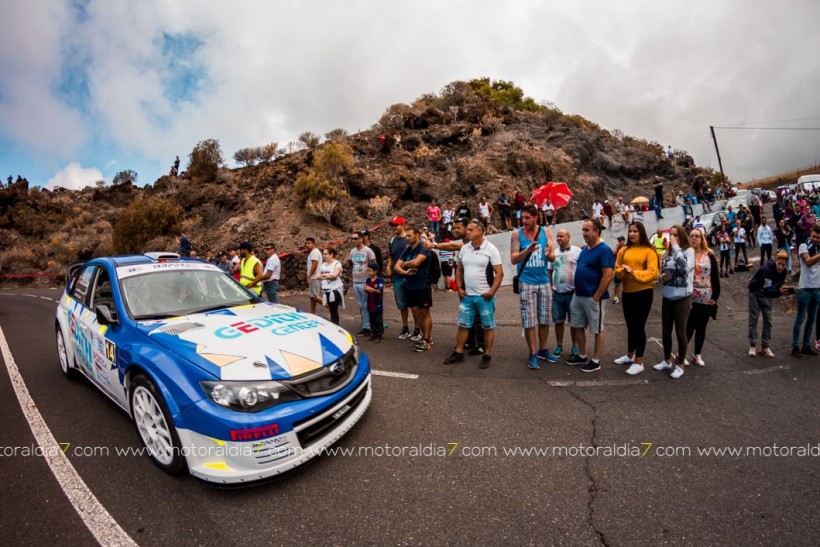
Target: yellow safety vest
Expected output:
[247,276]
[660,244]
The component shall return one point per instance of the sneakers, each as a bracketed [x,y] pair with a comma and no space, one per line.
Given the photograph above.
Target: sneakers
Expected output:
[376,338]
[752,352]
[696,359]
[533,362]
[796,353]
[591,366]
[546,355]
[574,350]
[455,357]
[615,299]
[364,332]
[663,365]
[478,350]
[677,372]
[404,334]
[485,361]
[623,360]
[766,352]
[423,345]
[559,349]
[635,368]
[576,360]
[416,336]
[816,345]
[808,351]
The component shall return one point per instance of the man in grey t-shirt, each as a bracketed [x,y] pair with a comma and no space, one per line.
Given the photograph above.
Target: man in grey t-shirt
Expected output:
[360,257]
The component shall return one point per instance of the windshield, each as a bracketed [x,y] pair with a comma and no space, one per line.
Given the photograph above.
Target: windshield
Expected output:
[158,295]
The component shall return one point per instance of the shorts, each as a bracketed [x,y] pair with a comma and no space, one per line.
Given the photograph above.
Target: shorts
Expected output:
[560,306]
[446,269]
[536,305]
[584,313]
[315,288]
[518,213]
[505,212]
[476,305]
[400,292]
[419,298]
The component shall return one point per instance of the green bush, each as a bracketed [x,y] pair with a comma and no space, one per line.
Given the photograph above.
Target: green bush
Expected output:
[205,159]
[144,220]
[325,178]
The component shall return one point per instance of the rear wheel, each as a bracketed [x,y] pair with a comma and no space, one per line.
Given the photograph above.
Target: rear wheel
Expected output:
[155,427]
[64,360]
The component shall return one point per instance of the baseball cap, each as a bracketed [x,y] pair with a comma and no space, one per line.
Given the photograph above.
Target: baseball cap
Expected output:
[397,221]
[374,266]
[621,238]
[364,232]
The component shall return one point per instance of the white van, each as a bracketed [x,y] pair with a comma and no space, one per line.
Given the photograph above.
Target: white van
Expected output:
[807,183]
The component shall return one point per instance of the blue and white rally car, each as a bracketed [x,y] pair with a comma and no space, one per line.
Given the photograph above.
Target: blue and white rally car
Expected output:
[214,379]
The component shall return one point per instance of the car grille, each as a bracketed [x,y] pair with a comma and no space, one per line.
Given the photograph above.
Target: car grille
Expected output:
[175,329]
[324,381]
[316,431]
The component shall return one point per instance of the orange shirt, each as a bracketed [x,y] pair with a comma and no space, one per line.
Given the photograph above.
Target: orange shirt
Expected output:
[644,264]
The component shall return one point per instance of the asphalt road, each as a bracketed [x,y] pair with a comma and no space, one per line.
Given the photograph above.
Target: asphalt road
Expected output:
[608,486]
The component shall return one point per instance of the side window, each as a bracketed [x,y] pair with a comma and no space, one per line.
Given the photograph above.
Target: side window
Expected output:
[80,289]
[103,293]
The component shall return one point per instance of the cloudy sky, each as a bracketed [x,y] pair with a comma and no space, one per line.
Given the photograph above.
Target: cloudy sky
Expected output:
[89,87]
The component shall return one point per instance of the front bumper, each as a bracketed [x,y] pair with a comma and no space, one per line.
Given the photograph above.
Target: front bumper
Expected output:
[236,462]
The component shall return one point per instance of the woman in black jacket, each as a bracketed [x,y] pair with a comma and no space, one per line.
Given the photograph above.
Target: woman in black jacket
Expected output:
[705,293]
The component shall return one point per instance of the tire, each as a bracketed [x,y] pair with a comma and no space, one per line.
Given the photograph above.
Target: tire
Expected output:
[63,359]
[154,426]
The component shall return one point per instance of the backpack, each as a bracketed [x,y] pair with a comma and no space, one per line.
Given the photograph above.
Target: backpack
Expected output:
[434,270]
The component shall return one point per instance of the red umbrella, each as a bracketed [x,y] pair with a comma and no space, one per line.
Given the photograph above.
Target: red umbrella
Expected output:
[558,192]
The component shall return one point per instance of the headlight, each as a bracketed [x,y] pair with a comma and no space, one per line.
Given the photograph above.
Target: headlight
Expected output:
[248,396]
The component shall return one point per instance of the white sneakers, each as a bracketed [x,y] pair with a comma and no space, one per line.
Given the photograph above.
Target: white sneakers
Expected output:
[696,359]
[623,360]
[766,352]
[635,368]
[677,373]
[752,352]
[663,365]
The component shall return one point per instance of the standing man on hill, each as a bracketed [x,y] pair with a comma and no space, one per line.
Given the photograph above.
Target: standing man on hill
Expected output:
[314,262]
[657,184]
[531,249]
[395,248]
[360,256]
[434,218]
[184,245]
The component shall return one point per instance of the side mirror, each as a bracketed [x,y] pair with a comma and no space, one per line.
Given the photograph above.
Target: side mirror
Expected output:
[106,315]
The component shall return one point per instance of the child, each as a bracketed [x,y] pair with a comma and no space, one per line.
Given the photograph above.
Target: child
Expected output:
[374,287]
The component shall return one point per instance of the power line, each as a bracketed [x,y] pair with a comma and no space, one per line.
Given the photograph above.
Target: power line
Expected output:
[770,128]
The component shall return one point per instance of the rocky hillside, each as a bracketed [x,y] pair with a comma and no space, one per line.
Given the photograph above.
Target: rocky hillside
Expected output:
[472,139]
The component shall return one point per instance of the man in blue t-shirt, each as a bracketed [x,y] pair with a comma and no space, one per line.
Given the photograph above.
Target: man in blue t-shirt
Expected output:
[414,264]
[593,274]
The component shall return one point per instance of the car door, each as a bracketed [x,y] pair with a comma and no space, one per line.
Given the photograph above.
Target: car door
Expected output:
[77,312]
[105,337]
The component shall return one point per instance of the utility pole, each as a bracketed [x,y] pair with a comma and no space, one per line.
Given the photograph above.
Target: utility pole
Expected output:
[720,163]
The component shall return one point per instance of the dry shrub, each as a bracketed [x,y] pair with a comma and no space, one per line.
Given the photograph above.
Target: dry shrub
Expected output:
[322,208]
[18,260]
[143,221]
[381,206]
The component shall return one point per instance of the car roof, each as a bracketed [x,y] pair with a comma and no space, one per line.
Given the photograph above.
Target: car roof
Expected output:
[147,258]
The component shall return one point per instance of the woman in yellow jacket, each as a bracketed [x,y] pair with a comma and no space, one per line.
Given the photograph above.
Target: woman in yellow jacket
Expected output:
[637,266]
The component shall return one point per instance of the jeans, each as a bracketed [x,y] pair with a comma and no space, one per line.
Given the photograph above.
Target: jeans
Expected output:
[361,300]
[636,307]
[433,225]
[757,304]
[271,290]
[807,300]
[673,315]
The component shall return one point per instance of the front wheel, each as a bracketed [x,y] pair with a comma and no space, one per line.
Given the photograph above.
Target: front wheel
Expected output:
[155,427]
[62,355]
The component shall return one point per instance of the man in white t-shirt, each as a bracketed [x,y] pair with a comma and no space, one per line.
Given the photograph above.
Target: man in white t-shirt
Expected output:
[360,256]
[476,293]
[598,211]
[808,294]
[271,275]
[314,262]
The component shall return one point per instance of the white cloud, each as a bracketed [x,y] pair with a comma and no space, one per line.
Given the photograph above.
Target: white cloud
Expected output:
[74,177]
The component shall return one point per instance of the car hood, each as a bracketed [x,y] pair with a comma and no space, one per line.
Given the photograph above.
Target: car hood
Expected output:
[254,342]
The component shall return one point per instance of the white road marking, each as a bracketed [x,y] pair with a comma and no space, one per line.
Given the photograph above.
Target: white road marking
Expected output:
[767,369]
[656,340]
[29,295]
[98,521]
[595,383]
[394,374]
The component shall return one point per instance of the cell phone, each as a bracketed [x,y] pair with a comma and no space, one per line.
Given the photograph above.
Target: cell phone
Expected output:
[791,290]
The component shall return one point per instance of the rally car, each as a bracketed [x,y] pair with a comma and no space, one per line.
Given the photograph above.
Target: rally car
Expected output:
[215,380]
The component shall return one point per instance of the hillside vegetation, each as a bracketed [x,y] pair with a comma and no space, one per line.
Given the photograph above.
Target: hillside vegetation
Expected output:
[470,139]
